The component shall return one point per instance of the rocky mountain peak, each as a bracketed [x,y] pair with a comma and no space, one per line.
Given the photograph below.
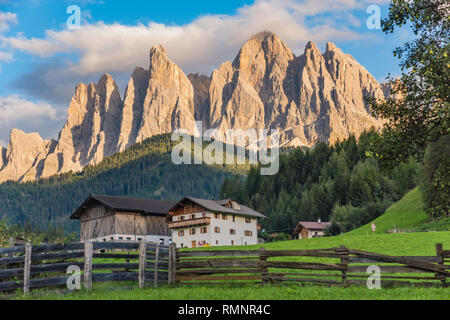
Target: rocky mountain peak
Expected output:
[310,98]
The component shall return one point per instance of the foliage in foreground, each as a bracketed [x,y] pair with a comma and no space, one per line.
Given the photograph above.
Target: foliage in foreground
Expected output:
[418,111]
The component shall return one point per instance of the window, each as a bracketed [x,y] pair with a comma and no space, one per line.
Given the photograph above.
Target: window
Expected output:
[120,238]
[192,216]
[248,233]
[216,229]
[232,231]
[181,233]
[204,214]
[217,241]
[232,242]
[182,245]
[204,230]
[128,238]
[112,238]
[216,215]
[224,216]
[139,239]
[181,218]
[234,218]
[161,241]
[248,220]
[192,232]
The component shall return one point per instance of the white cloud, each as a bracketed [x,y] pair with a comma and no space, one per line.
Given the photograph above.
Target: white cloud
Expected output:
[6,56]
[17,112]
[198,46]
[7,18]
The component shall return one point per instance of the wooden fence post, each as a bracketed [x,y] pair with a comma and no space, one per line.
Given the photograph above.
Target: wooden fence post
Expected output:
[263,267]
[142,263]
[172,269]
[344,252]
[156,264]
[440,254]
[27,268]
[88,249]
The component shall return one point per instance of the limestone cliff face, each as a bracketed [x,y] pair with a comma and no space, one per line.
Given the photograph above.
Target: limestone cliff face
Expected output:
[169,100]
[308,98]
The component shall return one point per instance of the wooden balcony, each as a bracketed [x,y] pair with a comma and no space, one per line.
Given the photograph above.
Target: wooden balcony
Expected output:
[190,223]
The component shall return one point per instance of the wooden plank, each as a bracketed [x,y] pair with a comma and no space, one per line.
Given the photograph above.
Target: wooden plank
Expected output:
[125,276]
[220,253]
[217,271]
[303,265]
[10,260]
[116,245]
[440,254]
[262,267]
[304,253]
[26,269]
[312,280]
[218,283]
[172,264]
[431,259]
[115,256]
[10,250]
[401,260]
[142,263]
[390,276]
[58,247]
[156,266]
[216,278]
[88,248]
[38,269]
[396,283]
[446,253]
[113,266]
[56,256]
[344,262]
[217,263]
[387,269]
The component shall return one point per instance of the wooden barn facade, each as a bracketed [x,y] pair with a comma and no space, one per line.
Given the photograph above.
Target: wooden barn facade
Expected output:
[113,218]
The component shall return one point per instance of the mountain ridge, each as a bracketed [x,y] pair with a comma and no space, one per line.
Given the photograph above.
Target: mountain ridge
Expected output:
[310,98]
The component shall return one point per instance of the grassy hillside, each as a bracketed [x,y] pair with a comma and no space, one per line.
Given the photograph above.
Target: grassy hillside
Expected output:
[406,214]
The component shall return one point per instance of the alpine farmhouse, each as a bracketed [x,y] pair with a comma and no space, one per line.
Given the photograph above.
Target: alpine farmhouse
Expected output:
[113,218]
[310,229]
[199,222]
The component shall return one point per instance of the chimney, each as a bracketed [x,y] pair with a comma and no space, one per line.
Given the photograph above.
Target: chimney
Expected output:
[319,221]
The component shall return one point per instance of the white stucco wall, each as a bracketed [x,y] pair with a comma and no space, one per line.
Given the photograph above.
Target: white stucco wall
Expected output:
[224,238]
[126,237]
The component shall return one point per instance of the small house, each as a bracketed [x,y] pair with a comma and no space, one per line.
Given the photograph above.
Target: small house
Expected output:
[200,222]
[114,218]
[310,229]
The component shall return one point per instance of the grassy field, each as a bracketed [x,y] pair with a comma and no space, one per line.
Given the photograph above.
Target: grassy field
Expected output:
[244,292]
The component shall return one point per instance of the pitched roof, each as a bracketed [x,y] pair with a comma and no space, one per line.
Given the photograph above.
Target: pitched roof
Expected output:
[311,225]
[218,206]
[126,204]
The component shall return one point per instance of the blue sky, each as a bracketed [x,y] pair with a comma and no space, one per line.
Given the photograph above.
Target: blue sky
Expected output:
[41,61]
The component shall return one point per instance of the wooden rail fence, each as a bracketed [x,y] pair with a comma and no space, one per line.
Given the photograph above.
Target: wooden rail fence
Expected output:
[27,267]
[334,266]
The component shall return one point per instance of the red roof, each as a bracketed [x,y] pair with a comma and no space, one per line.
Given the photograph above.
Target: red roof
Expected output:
[311,225]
